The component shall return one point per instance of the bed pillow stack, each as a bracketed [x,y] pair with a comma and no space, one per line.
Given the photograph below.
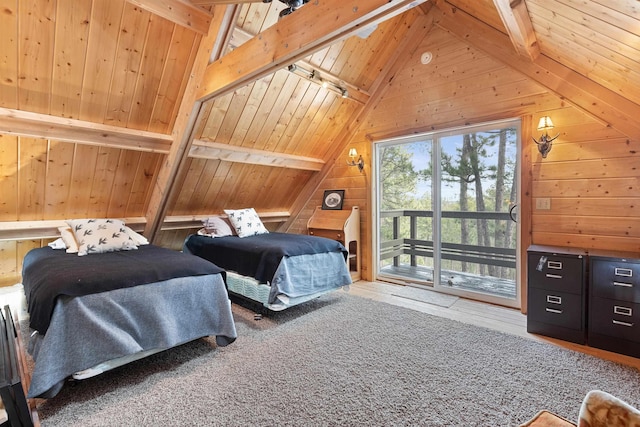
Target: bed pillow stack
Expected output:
[99,235]
[246,222]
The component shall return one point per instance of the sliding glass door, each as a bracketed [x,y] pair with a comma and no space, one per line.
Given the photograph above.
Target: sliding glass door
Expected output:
[446,211]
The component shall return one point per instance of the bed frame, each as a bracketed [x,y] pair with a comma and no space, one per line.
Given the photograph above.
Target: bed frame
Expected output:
[14,379]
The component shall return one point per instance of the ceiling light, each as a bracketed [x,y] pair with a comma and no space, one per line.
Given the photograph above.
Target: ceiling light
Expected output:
[314,76]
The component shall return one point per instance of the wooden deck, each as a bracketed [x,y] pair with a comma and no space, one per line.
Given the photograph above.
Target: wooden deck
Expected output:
[504,288]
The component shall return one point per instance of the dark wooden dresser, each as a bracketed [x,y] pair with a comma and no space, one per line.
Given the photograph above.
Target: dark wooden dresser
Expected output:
[557,294]
[614,304]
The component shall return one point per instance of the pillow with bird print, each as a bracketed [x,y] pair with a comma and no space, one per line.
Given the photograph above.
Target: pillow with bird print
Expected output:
[246,222]
[96,236]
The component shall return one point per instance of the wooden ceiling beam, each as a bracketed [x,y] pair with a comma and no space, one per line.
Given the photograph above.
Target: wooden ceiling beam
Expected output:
[183,130]
[35,125]
[316,25]
[215,2]
[231,153]
[583,93]
[180,12]
[516,19]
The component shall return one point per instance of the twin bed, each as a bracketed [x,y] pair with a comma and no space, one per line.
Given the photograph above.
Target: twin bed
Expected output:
[275,270]
[92,313]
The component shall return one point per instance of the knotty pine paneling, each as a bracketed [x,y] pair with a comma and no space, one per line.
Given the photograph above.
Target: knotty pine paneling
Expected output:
[597,39]
[95,60]
[590,176]
[11,256]
[592,181]
[45,179]
[71,42]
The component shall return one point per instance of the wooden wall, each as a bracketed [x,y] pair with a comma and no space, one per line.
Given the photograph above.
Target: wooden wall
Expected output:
[108,62]
[591,175]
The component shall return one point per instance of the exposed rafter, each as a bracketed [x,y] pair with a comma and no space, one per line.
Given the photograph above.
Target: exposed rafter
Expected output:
[313,27]
[181,12]
[25,123]
[231,153]
[517,21]
[576,89]
[214,2]
[186,119]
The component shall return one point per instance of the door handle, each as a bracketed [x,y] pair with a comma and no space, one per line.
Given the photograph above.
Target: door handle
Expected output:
[511,214]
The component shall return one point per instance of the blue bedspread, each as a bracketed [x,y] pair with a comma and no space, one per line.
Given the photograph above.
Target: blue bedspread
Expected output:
[49,273]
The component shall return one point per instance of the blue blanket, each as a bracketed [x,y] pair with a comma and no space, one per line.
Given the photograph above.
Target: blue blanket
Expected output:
[259,256]
[48,273]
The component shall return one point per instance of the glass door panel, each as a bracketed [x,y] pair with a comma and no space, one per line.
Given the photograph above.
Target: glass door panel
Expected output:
[406,211]
[443,203]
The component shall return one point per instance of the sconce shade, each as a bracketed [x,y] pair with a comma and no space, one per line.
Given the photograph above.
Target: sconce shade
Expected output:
[545,123]
[352,155]
[545,143]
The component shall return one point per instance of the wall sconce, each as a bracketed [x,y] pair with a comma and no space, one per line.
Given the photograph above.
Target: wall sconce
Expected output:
[544,145]
[352,155]
[314,76]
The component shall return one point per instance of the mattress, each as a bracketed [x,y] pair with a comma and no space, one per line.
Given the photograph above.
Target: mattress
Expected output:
[248,287]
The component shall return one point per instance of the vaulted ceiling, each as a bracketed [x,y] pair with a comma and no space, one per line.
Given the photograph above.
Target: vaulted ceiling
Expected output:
[179,109]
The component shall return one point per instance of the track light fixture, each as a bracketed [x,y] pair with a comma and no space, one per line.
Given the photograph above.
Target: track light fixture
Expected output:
[314,76]
[545,143]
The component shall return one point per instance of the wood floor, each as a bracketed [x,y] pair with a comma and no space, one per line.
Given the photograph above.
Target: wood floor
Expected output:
[478,313]
[490,316]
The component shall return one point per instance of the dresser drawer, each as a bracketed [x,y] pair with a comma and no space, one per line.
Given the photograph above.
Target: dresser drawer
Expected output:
[556,272]
[615,278]
[330,234]
[619,319]
[557,308]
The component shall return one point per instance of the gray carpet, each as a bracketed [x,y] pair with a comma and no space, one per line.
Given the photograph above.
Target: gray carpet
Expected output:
[342,360]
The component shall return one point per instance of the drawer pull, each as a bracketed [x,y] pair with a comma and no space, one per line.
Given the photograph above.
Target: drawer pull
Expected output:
[553,310]
[624,285]
[624,272]
[625,311]
[556,265]
[617,322]
[552,299]
[554,276]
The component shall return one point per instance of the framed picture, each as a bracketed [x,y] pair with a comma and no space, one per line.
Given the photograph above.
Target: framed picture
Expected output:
[332,199]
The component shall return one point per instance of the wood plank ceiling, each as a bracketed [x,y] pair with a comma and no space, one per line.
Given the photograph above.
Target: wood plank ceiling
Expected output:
[98,71]
[282,113]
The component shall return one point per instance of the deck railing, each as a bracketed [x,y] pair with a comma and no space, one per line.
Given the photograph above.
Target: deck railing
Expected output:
[466,253]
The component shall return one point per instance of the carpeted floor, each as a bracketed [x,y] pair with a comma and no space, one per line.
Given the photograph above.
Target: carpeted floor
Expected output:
[342,360]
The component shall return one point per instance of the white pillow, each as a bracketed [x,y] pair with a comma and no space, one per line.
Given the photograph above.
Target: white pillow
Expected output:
[138,238]
[216,226]
[246,222]
[101,235]
[57,244]
[69,239]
